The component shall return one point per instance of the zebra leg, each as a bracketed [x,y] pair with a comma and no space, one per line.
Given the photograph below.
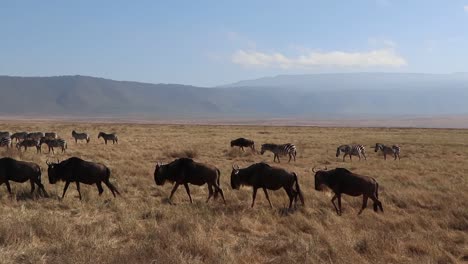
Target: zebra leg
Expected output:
[385,156]
[290,156]
[277,157]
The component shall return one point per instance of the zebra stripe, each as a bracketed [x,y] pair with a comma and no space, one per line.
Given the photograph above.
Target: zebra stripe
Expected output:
[4,134]
[386,150]
[351,150]
[280,150]
[109,137]
[29,143]
[36,135]
[51,135]
[80,136]
[18,136]
[54,143]
[5,142]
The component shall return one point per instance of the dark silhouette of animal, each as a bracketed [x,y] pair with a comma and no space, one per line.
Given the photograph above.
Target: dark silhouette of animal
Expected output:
[262,175]
[351,150]
[20,171]
[29,143]
[183,171]
[280,150]
[80,171]
[243,142]
[393,150]
[342,181]
[54,143]
[109,137]
[80,136]
[19,136]
[50,135]
[35,135]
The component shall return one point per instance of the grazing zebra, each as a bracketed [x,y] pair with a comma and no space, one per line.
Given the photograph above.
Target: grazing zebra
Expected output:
[107,137]
[19,136]
[80,136]
[350,150]
[5,142]
[5,134]
[393,150]
[36,135]
[29,143]
[54,143]
[50,135]
[280,150]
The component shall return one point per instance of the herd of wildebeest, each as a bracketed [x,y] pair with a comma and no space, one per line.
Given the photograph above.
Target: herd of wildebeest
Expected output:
[185,171]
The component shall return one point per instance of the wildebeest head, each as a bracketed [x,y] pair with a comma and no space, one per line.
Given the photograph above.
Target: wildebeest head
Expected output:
[337,152]
[232,143]
[235,178]
[321,178]
[159,174]
[53,171]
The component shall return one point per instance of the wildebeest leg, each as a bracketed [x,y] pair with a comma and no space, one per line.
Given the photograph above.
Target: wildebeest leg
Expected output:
[32,186]
[221,192]
[210,192]
[78,188]
[377,203]
[65,188]
[277,157]
[176,185]
[41,188]
[364,203]
[99,187]
[268,197]
[242,148]
[339,202]
[188,191]
[291,196]
[105,141]
[7,183]
[254,195]
[111,187]
[76,141]
[333,202]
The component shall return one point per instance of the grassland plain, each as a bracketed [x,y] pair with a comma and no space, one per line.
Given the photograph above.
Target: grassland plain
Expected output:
[425,197]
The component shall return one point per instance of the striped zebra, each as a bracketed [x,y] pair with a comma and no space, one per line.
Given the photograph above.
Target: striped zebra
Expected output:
[5,134]
[393,150]
[36,135]
[80,136]
[109,137]
[54,143]
[280,150]
[19,136]
[29,143]
[5,142]
[50,135]
[351,150]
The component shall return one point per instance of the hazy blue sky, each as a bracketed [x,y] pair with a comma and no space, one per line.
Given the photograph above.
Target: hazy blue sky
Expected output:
[217,42]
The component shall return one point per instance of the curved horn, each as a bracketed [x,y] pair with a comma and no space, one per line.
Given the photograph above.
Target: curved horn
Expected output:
[235,167]
[313,169]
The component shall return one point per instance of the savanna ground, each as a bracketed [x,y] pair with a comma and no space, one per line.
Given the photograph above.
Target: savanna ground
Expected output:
[424,196]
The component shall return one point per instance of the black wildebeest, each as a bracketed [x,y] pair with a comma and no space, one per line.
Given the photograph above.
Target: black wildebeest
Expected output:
[77,170]
[342,181]
[243,142]
[20,171]
[262,175]
[109,137]
[184,171]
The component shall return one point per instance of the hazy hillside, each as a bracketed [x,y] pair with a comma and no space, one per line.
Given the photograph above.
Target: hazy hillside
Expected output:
[322,95]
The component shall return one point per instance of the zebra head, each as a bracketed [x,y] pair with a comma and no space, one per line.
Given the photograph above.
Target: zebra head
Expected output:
[378,146]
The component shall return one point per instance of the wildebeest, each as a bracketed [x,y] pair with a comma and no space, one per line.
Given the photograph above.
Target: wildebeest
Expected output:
[184,171]
[29,143]
[77,170]
[18,136]
[280,150]
[54,143]
[35,135]
[50,135]
[20,171]
[393,150]
[342,181]
[80,136]
[262,175]
[243,142]
[109,137]
[356,150]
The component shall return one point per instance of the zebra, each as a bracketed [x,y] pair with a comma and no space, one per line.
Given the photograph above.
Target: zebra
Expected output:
[29,143]
[5,134]
[393,150]
[351,150]
[280,150]
[5,142]
[50,135]
[36,135]
[109,137]
[80,136]
[19,136]
[54,143]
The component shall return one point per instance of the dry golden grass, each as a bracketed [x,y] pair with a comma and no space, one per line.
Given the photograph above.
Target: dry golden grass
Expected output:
[425,197]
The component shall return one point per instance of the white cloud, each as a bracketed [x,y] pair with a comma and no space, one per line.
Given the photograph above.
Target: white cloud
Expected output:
[378,57]
[465,8]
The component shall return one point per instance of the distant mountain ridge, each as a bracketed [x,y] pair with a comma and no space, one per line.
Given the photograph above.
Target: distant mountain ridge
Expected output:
[318,95]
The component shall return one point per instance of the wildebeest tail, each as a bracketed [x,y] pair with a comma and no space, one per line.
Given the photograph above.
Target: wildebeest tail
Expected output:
[298,189]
